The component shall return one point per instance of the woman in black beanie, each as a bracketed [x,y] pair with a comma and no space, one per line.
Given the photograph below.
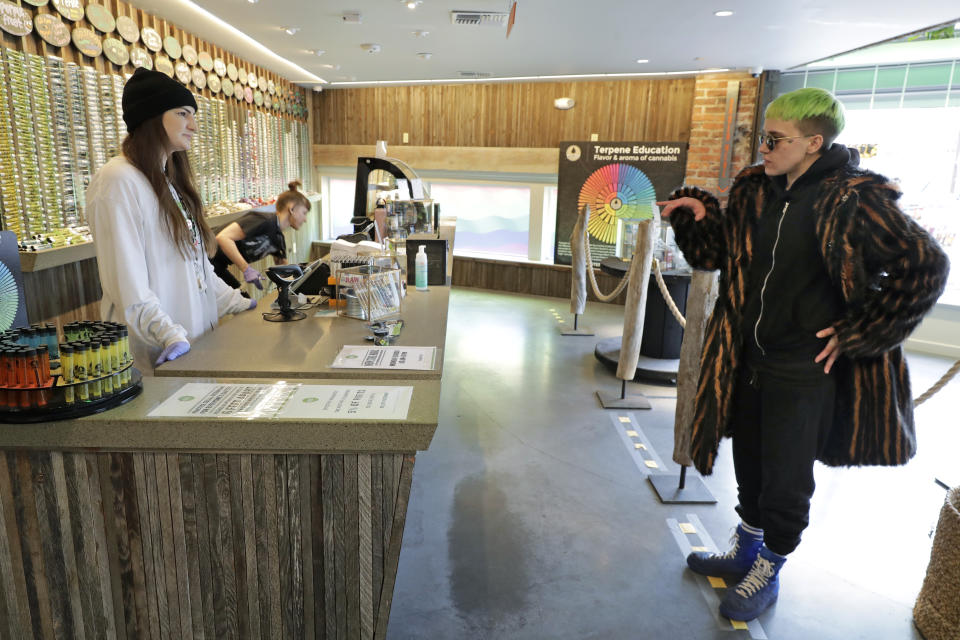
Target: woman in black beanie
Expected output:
[151,237]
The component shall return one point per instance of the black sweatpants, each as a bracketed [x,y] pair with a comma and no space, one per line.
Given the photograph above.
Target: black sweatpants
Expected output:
[781,421]
[222,269]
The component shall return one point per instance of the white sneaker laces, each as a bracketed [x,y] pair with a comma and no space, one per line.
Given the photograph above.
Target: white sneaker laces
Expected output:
[735,542]
[759,576]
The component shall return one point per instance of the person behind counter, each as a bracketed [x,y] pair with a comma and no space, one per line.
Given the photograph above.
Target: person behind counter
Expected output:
[147,222]
[259,234]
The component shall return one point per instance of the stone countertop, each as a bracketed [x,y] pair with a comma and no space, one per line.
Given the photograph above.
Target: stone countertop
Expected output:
[127,427]
[247,346]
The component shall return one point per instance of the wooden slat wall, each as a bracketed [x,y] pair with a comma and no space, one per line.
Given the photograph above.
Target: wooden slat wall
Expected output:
[153,545]
[528,278]
[505,114]
[32,43]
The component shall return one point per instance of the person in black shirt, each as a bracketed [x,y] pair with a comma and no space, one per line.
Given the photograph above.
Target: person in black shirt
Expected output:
[259,234]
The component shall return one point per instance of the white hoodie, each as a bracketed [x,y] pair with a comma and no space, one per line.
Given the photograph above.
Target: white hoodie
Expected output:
[147,283]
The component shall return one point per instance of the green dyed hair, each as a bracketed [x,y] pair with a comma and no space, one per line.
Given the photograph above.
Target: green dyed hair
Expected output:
[815,111]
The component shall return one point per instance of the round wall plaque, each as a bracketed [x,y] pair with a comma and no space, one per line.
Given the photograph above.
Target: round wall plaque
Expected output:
[242,75]
[101,18]
[219,67]
[87,42]
[52,29]
[14,19]
[141,58]
[172,47]
[70,9]
[227,86]
[206,62]
[248,94]
[116,51]
[37,3]
[189,54]
[199,78]
[151,38]
[272,87]
[268,101]
[213,82]
[238,91]
[252,80]
[164,65]
[232,72]
[128,29]
[258,97]
[182,69]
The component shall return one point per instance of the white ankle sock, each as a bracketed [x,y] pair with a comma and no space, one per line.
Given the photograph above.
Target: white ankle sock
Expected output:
[751,530]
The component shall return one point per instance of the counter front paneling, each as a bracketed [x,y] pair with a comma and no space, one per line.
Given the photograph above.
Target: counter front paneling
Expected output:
[249,346]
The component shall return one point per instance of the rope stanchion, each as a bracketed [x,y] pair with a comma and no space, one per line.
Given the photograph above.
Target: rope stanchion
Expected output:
[940,384]
[593,279]
[666,295]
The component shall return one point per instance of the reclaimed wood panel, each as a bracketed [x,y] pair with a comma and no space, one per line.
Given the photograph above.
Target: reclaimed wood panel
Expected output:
[157,545]
[516,114]
[525,278]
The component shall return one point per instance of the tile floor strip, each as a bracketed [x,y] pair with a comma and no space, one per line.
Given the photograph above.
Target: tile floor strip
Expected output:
[683,541]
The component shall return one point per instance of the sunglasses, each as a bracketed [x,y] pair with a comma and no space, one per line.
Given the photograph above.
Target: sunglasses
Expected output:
[771,141]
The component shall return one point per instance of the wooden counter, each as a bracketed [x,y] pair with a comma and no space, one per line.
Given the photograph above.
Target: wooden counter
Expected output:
[249,346]
[122,525]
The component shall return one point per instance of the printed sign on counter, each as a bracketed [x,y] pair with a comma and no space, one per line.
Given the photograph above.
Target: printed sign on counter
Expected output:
[286,401]
[362,357]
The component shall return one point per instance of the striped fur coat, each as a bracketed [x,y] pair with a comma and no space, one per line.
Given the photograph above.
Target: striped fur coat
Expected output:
[890,273]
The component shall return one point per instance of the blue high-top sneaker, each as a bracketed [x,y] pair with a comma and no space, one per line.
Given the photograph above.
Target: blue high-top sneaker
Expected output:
[758,589]
[736,562]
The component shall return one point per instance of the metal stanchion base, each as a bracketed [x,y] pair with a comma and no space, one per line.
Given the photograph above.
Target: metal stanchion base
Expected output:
[577,332]
[668,489]
[614,401]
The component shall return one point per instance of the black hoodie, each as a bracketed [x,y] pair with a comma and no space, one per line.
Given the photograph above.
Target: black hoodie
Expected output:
[790,296]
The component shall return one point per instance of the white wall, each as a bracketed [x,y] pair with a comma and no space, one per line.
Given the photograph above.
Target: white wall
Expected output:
[939,333]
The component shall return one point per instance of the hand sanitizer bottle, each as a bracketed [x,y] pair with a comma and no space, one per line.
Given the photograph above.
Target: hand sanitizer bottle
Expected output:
[421,269]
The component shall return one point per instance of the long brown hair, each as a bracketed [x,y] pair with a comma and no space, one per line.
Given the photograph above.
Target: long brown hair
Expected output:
[142,147]
[292,196]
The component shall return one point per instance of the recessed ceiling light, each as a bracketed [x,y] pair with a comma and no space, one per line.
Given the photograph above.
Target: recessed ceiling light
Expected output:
[334,67]
[290,30]
[412,4]
[723,14]
[642,61]
[420,34]
[252,1]
[424,55]
[317,52]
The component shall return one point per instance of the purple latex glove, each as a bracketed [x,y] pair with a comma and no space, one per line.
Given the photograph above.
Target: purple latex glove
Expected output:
[253,276]
[173,351]
[253,305]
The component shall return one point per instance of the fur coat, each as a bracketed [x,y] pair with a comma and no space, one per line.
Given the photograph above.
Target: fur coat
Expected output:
[890,273]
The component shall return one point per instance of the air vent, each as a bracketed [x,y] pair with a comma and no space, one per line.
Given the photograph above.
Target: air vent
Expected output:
[473,74]
[479,18]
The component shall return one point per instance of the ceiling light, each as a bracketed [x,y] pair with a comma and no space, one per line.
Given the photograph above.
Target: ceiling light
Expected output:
[424,55]
[723,14]
[252,1]
[317,52]
[334,67]
[412,4]
[642,61]
[290,30]
[420,34]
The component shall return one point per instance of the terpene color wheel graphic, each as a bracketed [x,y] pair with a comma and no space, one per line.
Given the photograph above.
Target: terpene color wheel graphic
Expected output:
[9,298]
[615,191]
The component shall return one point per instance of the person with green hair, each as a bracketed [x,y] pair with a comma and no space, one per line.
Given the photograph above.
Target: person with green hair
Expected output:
[822,278]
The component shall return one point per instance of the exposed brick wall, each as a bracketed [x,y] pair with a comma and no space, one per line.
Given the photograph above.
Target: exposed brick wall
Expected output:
[706,128]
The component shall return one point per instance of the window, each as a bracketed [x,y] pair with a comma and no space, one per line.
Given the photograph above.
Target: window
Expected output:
[341,193]
[905,119]
[491,218]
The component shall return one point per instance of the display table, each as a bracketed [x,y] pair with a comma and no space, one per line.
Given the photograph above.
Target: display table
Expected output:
[662,334]
[123,525]
[249,346]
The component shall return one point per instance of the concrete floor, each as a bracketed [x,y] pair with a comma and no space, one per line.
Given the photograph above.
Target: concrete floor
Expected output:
[530,517]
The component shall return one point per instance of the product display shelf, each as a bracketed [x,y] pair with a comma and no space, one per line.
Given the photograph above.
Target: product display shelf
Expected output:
[10,199]
[25,140]
[51,215]
[60,125]
[80,139]
[60,400]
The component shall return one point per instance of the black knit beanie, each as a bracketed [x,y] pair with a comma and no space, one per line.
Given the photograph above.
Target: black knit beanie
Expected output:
[150,93]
